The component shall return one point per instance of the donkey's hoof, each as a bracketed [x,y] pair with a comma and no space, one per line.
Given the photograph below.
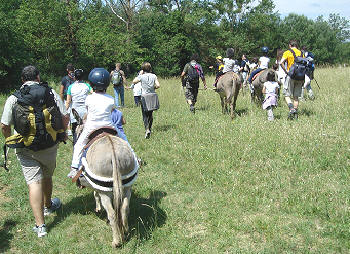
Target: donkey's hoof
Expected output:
[116,244]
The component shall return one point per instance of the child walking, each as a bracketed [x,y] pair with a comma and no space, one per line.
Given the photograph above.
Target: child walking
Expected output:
[137,91]
[270,89]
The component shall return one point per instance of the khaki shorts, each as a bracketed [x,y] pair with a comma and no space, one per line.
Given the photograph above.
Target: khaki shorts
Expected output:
[293,87]
[37,165]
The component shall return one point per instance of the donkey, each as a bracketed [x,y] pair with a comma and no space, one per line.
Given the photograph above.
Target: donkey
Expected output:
[228,87]
[258,84]
[110,167]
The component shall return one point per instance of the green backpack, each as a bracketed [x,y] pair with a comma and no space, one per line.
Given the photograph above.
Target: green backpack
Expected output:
[116,78]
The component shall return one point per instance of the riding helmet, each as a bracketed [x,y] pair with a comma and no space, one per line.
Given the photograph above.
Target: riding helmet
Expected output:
[265,49]
[99,78]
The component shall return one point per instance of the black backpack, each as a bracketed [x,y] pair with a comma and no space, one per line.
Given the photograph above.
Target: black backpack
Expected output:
[37,118]
[192,74]
[298,70]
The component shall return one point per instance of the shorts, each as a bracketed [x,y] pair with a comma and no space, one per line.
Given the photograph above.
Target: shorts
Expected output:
[293,87]
[37,165]
[191,92]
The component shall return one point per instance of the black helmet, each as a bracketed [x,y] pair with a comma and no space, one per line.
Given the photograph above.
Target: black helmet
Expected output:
[265,49]
[230,52]
[99,78]
[78,74]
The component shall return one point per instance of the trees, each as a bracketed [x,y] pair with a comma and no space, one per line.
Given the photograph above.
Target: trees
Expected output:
[92,33]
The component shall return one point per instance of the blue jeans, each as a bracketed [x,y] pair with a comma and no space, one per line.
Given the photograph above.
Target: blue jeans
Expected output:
[119,90]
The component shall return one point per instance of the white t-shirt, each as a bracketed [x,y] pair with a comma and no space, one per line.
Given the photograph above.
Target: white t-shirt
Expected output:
[79,91]
[228,65]
[264,62]
[270,87]
[147,82]
[99,110]
[137,89]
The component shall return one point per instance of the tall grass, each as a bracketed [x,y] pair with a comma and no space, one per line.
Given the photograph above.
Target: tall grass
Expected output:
[210,185]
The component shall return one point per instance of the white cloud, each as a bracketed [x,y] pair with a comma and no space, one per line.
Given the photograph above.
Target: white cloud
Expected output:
[313,8]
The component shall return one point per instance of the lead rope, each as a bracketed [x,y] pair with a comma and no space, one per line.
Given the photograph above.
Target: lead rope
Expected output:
[5,156]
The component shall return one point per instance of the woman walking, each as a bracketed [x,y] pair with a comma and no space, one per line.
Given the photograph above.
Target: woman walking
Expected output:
[149,82]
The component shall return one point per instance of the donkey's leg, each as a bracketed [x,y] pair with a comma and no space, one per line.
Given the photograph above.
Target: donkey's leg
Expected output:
[233,103]
[97,201]
[125,209]
[222,104]
[107,201]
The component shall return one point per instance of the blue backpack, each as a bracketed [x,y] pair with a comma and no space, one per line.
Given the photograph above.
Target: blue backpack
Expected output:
[298,70]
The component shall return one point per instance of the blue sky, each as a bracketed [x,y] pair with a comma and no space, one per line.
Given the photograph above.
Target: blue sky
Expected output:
[313,8]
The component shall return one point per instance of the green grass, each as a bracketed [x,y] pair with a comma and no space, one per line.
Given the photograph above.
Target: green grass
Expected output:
[211,185]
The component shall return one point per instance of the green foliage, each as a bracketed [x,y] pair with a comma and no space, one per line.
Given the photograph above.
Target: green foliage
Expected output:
[51,34]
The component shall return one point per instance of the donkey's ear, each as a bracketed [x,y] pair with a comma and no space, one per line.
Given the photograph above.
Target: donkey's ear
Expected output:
[77,117]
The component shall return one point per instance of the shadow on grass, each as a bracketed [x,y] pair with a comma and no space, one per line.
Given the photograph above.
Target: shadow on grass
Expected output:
[164,127]
[306,112]
[144,217]
[242,112]
[5,235]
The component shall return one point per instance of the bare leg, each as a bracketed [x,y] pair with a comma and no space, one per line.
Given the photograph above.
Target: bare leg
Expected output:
[47,190]
[36,200]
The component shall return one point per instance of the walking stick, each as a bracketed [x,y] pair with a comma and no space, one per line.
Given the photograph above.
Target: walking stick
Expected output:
[317,84]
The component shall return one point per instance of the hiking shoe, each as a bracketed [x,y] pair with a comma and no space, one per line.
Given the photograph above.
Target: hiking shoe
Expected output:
[73,172]
[40,230]
[148,134]
[192,109]
[55,204]
[291,114]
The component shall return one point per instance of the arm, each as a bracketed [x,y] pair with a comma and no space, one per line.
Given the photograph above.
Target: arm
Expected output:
[283,60]
[61,92]
[264,90]
[156,84]
[124,78]
[6,130]
[123,120]
[136,80]
[204,82]
[65,120]
[68,101]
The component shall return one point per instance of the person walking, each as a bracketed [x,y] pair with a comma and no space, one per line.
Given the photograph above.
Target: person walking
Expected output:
[149,82]
[292,88]
[190,78]
[65,83]
[118,80]
[270,90]
[37,165]
[76,96]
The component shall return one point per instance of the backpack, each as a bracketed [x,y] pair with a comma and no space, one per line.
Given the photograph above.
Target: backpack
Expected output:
[298,70]
[116,78]
[37,119]
[193,74]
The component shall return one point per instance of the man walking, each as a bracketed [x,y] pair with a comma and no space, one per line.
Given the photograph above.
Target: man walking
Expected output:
[118,80]
[292,88]
[190,80]
[37,166]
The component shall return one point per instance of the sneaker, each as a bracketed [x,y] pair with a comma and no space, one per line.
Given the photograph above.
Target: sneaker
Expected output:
[69,133]
[40,230]
[148,134]
[55,204]
[73,172]
[291,114]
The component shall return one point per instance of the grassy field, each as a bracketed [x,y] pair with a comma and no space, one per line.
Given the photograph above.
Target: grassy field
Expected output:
[211,185]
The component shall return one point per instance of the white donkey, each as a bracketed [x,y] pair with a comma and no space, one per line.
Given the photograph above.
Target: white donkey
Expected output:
[110,168]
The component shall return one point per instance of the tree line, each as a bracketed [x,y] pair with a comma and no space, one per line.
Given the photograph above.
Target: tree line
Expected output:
[89,33]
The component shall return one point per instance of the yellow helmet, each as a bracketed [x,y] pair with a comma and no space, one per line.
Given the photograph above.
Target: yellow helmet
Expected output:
[219,58]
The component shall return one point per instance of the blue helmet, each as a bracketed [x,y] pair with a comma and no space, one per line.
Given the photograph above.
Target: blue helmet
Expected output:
[99,78]
[265,49]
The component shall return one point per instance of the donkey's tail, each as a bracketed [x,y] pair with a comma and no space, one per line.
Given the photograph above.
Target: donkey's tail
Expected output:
[117,188]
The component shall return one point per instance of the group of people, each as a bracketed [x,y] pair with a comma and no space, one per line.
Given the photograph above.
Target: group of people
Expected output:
[293,89]
[100,109]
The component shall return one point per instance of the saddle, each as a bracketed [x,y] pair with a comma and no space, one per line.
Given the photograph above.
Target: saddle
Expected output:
[99,133]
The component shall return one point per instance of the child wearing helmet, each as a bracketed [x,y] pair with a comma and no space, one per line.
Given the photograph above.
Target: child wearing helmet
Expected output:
[99,108]
[263,64]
